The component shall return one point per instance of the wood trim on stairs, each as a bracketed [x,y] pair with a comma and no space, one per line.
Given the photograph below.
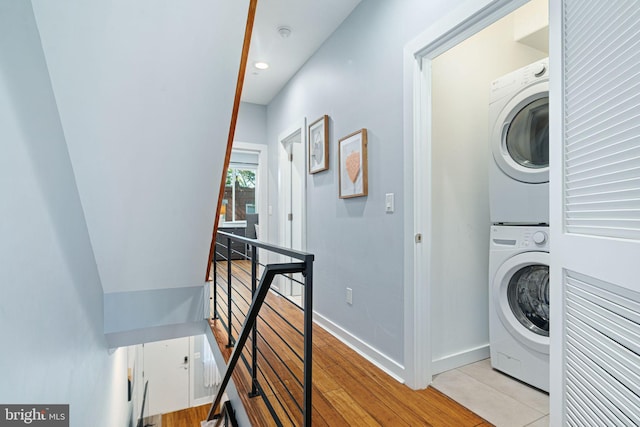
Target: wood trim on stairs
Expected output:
[232,125]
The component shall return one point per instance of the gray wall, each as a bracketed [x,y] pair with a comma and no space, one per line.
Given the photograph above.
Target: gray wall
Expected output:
[356,78]
[53,345]
[252,123]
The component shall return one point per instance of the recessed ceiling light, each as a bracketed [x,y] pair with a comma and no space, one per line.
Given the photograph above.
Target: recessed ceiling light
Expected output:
[261,65]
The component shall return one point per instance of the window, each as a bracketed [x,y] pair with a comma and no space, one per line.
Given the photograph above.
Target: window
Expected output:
[239,192]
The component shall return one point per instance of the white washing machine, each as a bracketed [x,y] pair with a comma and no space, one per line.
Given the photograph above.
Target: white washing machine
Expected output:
[519,139]
[519,302]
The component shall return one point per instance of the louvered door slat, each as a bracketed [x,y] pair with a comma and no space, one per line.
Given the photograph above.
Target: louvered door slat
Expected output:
[602,188]
[613,204]
[626,195]
[621,214]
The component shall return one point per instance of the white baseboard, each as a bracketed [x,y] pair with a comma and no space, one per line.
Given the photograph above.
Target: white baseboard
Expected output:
[462,358]
[382,361]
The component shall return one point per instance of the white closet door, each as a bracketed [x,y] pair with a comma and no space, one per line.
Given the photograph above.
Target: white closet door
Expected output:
[595,212]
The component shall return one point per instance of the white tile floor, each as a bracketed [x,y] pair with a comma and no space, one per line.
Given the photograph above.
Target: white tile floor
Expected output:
[496,397]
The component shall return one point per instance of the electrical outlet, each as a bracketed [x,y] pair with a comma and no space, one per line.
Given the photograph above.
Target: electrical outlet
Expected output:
[349,296]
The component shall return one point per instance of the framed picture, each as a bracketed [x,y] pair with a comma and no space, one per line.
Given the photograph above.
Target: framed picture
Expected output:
[352,161]
[319,145]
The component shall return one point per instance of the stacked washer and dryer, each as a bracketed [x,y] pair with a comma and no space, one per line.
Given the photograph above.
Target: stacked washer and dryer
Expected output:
[519,211]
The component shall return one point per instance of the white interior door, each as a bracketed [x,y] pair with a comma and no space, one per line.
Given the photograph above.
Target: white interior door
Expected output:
[292,196]
[595,212]
[166,367]
[292,190]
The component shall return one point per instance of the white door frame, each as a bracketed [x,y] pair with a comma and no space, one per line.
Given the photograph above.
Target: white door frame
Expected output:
[468,19]
[262,185]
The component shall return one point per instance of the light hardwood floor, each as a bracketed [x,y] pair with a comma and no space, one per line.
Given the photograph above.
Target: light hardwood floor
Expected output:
[347,389]
[186,418]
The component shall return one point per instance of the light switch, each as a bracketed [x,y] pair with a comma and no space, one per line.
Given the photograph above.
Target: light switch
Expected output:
[389,203]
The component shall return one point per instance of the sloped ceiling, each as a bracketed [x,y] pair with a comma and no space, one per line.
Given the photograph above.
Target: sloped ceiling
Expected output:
[145,90]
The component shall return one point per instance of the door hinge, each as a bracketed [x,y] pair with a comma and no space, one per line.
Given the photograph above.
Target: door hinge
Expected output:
[419,238]
[291,157]
[290,217]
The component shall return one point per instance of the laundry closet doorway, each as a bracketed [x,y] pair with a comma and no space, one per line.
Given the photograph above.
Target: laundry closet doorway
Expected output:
[461,150]
[446,293]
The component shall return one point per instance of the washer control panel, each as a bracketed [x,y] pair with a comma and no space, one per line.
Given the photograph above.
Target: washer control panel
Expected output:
[526,237]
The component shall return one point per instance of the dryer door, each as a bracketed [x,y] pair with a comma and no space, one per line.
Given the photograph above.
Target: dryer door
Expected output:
[521,297]
[520,140]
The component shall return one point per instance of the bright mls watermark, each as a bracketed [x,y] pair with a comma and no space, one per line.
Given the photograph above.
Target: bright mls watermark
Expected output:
[34,415]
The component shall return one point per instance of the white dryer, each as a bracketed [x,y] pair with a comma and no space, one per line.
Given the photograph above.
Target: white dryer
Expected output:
[519,139]
[519,303]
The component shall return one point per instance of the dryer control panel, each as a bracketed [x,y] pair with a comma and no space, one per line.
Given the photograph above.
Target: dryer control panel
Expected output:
[519,78]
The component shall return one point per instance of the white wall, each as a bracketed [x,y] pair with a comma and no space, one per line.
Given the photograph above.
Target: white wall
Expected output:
[53,347]
[145,92]
[356,78]
[461,155]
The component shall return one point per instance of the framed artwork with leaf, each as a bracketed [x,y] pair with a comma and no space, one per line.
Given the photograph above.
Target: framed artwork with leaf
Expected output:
[319,145]
[352,161]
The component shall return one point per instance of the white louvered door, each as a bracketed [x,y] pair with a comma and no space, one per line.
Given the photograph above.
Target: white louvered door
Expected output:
[595,212]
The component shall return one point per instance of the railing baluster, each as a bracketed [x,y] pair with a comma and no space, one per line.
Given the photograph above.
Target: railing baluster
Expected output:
[308,331]
[229,319]
[254,332]
[215,285]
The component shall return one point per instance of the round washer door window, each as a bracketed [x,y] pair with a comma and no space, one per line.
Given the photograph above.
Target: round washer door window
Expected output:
[527,138]
[520,135]
[528,296]
[520,295]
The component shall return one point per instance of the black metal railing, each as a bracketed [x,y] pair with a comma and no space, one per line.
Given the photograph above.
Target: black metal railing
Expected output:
[227,416]
[269,326]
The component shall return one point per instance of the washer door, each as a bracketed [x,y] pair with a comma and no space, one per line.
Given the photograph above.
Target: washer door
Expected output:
[521,298]
[520,140]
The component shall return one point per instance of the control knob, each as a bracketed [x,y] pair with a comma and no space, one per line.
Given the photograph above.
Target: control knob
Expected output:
[539,237]
[539,69]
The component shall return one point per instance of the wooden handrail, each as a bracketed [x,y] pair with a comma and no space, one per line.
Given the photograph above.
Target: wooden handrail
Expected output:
[232,125]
